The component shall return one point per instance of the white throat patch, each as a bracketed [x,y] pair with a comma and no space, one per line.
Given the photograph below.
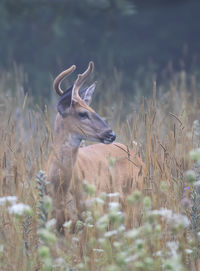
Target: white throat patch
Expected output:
[74,141]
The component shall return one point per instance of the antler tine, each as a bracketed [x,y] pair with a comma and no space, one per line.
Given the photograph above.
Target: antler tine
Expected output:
[80,80]
[59,79]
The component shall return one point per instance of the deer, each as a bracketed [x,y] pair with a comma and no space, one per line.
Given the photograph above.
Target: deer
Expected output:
[69,164]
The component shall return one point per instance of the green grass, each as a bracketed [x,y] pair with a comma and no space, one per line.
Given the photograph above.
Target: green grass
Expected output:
[167,236]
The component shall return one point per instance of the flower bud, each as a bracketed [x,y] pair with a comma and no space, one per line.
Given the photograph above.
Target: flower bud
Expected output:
[190,176]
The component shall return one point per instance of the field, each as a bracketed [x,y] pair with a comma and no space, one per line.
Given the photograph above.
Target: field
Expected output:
[163,129]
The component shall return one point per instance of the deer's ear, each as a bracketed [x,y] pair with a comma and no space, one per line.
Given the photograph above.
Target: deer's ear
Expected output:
[86,93]
[64,102]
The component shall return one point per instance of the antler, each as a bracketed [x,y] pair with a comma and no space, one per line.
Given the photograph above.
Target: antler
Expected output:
[80,80]
[59,79]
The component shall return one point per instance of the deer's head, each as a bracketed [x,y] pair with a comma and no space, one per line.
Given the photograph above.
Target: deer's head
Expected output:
[75,114]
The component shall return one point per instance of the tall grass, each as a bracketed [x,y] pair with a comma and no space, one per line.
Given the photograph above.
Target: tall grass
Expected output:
[160,129]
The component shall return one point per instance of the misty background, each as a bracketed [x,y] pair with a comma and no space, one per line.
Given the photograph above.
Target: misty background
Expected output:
[139,38]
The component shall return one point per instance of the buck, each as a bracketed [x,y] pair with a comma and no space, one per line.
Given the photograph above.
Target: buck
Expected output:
[69,164]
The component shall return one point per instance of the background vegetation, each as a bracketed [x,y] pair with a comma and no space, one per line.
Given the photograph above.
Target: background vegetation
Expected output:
[136,37]
[163,130]
[139,47]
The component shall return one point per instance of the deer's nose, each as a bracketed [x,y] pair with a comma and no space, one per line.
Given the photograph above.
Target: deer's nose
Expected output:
[108,137]
[111,136]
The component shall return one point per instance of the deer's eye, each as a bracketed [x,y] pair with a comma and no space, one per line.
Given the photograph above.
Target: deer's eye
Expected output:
[83,115]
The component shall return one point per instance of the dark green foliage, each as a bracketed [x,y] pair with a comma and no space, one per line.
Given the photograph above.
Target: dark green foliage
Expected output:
[47,36]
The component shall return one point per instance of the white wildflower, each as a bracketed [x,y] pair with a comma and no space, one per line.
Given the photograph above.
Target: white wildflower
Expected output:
[173,246]
[196,183]
[101,240]
[99,200]
[121,228]
[172,218]
[110,233]
[103,221]
[98,250]
[67,224]
[181,220]
[158,253]
[96,200]
[188,251]
[134,143]
[59,262]
[113,205]
[195,155]
[51,223]
[112,195]
[132,233]
[117,244]
[89,225]
[162,212]
[9,199]
[75,240]
[131,258]
[103,195]
[19,209]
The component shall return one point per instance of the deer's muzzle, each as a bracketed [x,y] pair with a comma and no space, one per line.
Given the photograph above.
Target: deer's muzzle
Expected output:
[107,137]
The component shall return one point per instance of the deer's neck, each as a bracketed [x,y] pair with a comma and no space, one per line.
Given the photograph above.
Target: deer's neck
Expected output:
[66,149]
[66,143]
[63,157]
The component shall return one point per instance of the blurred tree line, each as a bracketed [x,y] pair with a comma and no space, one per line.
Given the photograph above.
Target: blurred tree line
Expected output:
[47,36]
